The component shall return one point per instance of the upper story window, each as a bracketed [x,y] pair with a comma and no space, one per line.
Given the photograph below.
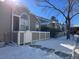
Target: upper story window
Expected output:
[24,23]
[24,17]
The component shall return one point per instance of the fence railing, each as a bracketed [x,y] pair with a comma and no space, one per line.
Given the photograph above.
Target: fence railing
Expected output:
[38,35]
[30,36]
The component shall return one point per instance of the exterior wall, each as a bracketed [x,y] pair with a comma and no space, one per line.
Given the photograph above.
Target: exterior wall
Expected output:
[5,22]
[15,37]
[20,9]
[53,25]
[6,12]
[33,21]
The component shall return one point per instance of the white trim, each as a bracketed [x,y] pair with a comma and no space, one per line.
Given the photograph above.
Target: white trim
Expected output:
[18,38]
[16,15]
[28,17]
[45,35]
[39,35]
[12,22]
[19,24]
[24,13]
[29,21]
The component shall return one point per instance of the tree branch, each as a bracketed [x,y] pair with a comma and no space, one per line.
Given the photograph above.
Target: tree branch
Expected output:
[74,15]
[55,8]
[44,6]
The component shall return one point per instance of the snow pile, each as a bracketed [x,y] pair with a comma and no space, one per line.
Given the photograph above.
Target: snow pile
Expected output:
[25,52]
[59,44]
[35,52]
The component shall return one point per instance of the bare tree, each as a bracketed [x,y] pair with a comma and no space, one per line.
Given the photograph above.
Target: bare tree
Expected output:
[69,10]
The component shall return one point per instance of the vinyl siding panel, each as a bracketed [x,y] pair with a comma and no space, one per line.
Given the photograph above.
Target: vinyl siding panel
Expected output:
[33,21]
[5,21]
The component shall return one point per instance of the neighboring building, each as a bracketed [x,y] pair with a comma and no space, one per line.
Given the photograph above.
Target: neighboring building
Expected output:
[74,29]
[53,23]
[43,23]
[34,23]
[5,21]
[15,20]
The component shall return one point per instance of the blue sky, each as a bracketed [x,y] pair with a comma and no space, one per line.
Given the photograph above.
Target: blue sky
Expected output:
[30,4]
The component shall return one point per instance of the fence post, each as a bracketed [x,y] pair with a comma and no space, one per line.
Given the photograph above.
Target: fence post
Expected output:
[18,38]
[39,35]
[45,35]
[49,35]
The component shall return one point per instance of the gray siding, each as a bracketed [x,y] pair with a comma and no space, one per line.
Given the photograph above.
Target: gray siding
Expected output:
[33,21]
[15,37]
[5,21]
[19,9]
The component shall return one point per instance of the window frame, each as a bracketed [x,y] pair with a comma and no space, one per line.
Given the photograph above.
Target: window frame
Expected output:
[27,18]
[13,22]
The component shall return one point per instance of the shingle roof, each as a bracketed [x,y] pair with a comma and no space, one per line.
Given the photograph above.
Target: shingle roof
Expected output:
[42,20]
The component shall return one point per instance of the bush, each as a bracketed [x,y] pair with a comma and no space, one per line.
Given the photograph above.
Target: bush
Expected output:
[53,32]
[44,28]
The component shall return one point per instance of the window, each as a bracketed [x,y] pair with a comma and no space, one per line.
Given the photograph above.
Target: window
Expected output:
[24,17]
[24,24]
[23,28]
[15,23]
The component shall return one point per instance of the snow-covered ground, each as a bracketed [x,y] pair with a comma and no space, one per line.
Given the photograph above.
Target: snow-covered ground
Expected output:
[27,52]
[59,44]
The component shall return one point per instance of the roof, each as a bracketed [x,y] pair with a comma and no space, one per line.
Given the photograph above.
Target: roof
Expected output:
[42,19]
